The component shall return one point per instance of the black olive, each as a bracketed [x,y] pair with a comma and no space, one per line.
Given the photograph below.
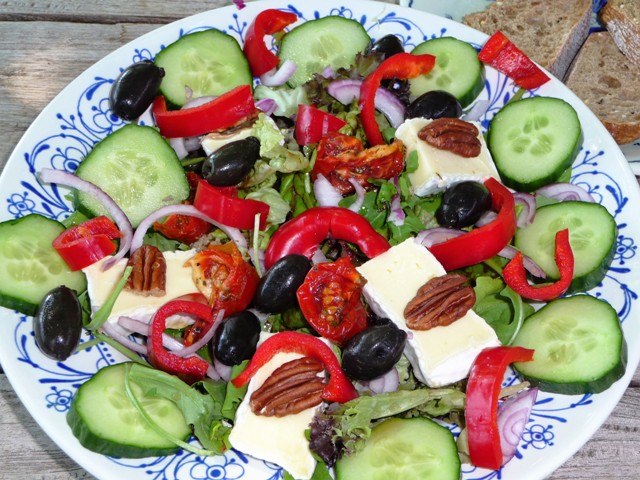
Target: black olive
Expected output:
[228,165]
[434,104]
[57,326]
[236,338]
[373,351]
[276,291]
[134,89]
[388,46]
[463,204]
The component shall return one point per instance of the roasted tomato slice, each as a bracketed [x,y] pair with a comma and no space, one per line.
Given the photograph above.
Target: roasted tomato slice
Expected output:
[329,299]
[341,157]
[224,278]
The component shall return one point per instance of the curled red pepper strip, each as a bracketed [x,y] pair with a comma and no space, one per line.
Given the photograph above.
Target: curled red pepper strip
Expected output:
[338,389]
[190,369]
[481,411]
[482,243]
[270,21]
[402,66]
[304,233]
[515,275]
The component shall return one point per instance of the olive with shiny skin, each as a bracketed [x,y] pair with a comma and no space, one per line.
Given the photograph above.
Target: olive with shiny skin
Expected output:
[463,204]
[434,104]
[388,46]
[276,291]
[231,163]
[57,325]
[236,338]
[135,89]
[373,351]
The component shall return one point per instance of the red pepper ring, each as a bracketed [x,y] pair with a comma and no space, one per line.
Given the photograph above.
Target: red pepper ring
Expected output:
[304,233]
[482,243]
[190,369]
[481,411]
[402,66]
[338,389]
[515,275]
[270,21]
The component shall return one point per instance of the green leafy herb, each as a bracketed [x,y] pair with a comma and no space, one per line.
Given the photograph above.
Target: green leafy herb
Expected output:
[103,313]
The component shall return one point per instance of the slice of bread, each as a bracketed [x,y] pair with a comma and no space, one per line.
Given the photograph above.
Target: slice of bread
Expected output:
[609,85]
[622,19]
[549,32]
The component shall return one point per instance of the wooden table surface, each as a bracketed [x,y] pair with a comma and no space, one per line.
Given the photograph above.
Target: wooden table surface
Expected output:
[45,45]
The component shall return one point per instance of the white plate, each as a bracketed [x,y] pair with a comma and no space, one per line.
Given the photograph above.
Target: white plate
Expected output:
[76,119]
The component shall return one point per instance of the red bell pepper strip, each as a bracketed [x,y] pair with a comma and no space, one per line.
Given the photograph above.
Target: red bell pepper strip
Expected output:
[304,233]
[85,244]
[312,124]
[223,205]
[189,369]
[226,111]
[502,54]
[402,66]
[481,411]
[270,21]
[481,243]
[515,275]
[338,389]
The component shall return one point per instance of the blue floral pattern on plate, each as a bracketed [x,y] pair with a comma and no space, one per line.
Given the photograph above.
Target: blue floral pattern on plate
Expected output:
[69,128]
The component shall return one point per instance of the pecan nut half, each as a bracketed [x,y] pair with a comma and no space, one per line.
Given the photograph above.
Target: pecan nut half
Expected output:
[291,388]
[149,275]
[440,302]
[454,135]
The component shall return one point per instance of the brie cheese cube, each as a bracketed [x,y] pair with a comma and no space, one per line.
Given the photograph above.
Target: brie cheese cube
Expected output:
[213,141]
[280,440]
[179,282]
[439,356]
[437,168]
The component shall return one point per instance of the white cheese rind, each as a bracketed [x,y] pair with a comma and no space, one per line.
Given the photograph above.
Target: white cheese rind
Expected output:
[439,356]
[437,168]
[280,440]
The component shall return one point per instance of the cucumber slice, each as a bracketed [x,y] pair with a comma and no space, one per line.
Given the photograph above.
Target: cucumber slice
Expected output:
[201,64]
[29,266]
[104,420]
[404,449]
[325,42]
[533,141]
[579,346]
[138,169]
[592,234]
[457,71]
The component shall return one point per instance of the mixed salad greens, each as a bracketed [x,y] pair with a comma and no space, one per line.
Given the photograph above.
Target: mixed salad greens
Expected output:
[275,181]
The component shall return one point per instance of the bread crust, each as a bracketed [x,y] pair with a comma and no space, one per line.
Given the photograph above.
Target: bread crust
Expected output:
[623,24]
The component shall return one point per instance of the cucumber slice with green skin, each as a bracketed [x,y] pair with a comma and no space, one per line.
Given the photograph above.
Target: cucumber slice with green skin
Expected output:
[592,235]
[325,42]
[29,266]
[201,64]
[579,346]
[138,169]
[105,421]
[533,141]
[404,449]
[457,71]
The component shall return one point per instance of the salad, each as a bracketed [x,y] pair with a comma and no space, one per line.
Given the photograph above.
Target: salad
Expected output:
[270,216]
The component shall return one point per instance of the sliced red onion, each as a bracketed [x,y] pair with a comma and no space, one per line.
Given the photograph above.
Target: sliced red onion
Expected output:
[60,177]
[192,143]
[486,218]
[328,72]
[360,192]
[223,370]
[179,147]
[267,105]
[198,101]
[240,4]
[532,267]
[528,212]
[319,257]
[326,194]
[513,415]
[385,383]
[436,235]
[396,214]
[202,341]
[123,340]
[477,111]
[346,91]
[233,233]
[279,76]
[565,192]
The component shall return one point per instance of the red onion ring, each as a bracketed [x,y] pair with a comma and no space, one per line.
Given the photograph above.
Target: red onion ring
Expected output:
[565,192]
[223,370]
[267,105]
[60,177]
[396,214]
[388,382]
[513,415]
[348,90]
[178,145]
[202,341]
[196,102]
[326,194]
[360,192]
[123,340]
[233,233]
[532,267]
[528,212]
[280,75]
